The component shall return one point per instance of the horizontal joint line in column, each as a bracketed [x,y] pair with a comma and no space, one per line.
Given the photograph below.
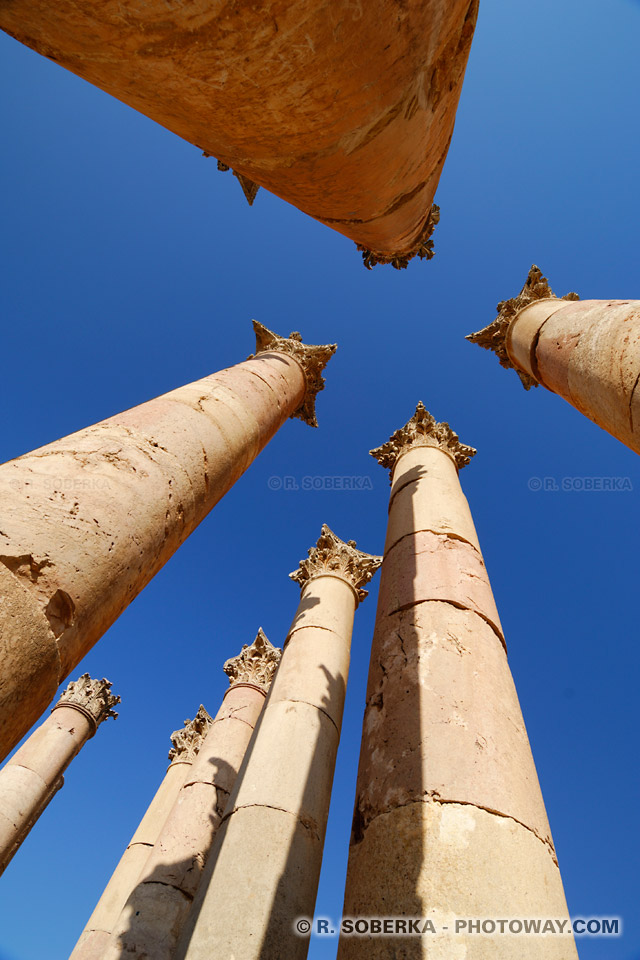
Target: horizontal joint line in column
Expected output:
[458,606]
[437,533]
[310,825]
[314,706]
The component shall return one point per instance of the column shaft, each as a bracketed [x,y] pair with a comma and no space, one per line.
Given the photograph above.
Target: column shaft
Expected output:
[150,922]
[87,521]
[587,352]
[94,939]
[449,820]
[265,864]
[35,773]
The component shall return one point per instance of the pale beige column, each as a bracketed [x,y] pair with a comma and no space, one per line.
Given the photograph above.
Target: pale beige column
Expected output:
[587,351]
[87,521]
[265,863]
[187,742]
[35,772]
[151,921]
[449,821]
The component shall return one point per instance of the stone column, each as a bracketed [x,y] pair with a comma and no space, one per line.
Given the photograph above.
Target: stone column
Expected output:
[265,863]
[35,772]
[87,521]
[151,921]
[187,743]
[586,351]
[449,821]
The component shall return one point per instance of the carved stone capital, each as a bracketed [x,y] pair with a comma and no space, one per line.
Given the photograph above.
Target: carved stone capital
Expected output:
[331,555]
[312,359]
[422,431]
[255,664]
[92,698]
[249,188]
[187,742]
[494,336]
[423,248]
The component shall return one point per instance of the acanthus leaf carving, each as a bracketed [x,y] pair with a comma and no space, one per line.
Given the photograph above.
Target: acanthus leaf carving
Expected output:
[331,555]
[93,698]
[423,248]
[312,358]
[255,664]
[423,430]
[187,741]
[494,336]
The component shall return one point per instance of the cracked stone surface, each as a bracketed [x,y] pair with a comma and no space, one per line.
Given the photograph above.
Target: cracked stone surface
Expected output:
[449,816]
[87,521]
[345,110]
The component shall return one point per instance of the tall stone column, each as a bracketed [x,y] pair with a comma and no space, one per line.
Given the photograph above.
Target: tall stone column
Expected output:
[187,742]
[87,521]
[587,351]
[449,822]
[265,863]
[35,773]
[151,921]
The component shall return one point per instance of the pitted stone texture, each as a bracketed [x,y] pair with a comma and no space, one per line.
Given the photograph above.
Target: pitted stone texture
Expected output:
[87,521]
[31,670]
[429,566]
[446,861]
[443,720]
[344,109]
[426,495]
[589,353]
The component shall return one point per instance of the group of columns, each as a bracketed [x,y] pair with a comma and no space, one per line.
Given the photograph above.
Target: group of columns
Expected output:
[449,819]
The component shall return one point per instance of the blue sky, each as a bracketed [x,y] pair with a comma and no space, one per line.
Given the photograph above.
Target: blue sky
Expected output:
[131,266]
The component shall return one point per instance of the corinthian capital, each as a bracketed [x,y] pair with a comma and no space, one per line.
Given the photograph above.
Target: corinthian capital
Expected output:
[494,336]
[255,664]
[422,430]
[312,359]
[93,698]
[331,555]
[187,742]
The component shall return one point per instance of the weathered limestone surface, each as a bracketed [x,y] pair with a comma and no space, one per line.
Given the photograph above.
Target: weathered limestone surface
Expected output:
[449,819]
[35,773]
[269,845]
[95,937]
[87,521]
[155,912]
[343,108]
[586,351]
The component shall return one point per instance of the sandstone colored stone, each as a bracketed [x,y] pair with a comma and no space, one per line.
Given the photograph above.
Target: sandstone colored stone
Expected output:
[35,772]
[449,820]
[344,109]
[95,938]
[269,845]
[88,520]
[448,861]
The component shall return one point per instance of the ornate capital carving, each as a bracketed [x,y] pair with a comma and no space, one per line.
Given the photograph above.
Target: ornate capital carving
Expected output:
[312,359]
[187,742]
[331,555]
[493,337]
[422,431]
[422,249]
[249,188]
[254,664]
[93,698]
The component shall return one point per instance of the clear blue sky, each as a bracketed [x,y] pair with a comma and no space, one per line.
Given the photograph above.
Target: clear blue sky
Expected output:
[131,266]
